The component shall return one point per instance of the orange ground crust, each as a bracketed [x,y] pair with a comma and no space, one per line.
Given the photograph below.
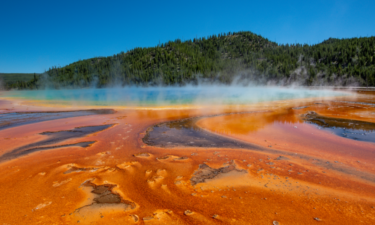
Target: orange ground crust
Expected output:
[35,189]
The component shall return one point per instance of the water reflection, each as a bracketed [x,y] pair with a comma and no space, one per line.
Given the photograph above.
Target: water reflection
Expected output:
[334,120]
[249,122]
[8,120]
[353,129]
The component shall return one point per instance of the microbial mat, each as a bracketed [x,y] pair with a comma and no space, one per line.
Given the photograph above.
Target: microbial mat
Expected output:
[188,155]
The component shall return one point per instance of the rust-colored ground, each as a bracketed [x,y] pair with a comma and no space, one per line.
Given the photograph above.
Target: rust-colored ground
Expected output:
[119,180]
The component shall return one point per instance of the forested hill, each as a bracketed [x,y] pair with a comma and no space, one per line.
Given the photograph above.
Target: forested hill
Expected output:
[241,57]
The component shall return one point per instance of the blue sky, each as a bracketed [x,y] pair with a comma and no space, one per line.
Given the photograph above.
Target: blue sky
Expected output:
[36,35]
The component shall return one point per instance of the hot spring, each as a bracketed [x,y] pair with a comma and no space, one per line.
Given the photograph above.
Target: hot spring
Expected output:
[158,96]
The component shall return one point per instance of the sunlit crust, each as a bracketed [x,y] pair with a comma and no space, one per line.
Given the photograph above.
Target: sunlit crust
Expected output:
[154,185]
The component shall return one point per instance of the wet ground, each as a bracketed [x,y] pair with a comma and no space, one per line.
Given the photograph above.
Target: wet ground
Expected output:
[13,119]
[347,128]
[185,133]
[54,141]
[284,162]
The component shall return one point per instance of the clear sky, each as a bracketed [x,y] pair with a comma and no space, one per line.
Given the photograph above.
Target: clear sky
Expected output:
[36,35]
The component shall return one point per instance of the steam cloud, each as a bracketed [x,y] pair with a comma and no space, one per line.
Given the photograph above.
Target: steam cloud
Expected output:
[164,96]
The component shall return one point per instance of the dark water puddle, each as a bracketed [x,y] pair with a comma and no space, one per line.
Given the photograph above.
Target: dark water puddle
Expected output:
[186,133]
[353,129]
[55,138]
[282,158]
[8,120]
[12,155]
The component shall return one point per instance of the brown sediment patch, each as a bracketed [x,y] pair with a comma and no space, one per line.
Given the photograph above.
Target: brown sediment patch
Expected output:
[127,165]
[205,172]
[57,183]
[103,201]
[75,169]
[164,216]
[282,158]
[168,157]
[134,217]
[103,194]
[8,120]
[148,218]
[181,158]
[142,155]
[188,212]
[53,139]
[172,158]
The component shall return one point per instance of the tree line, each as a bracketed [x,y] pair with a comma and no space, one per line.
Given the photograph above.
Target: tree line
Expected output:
[223,58]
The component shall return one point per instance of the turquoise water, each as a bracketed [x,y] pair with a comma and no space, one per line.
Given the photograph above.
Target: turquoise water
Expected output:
[169,95]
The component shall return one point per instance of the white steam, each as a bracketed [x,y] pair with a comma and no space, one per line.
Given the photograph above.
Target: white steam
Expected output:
[163,96]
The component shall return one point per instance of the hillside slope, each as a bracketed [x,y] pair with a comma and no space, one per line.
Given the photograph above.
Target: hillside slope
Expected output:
[240,57]
[18,80]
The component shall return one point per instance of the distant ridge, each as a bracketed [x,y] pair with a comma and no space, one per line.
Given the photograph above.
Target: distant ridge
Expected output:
[17,80]
[227,58]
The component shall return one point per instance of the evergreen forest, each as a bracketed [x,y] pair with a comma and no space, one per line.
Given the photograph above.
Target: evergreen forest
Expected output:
[227,58]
